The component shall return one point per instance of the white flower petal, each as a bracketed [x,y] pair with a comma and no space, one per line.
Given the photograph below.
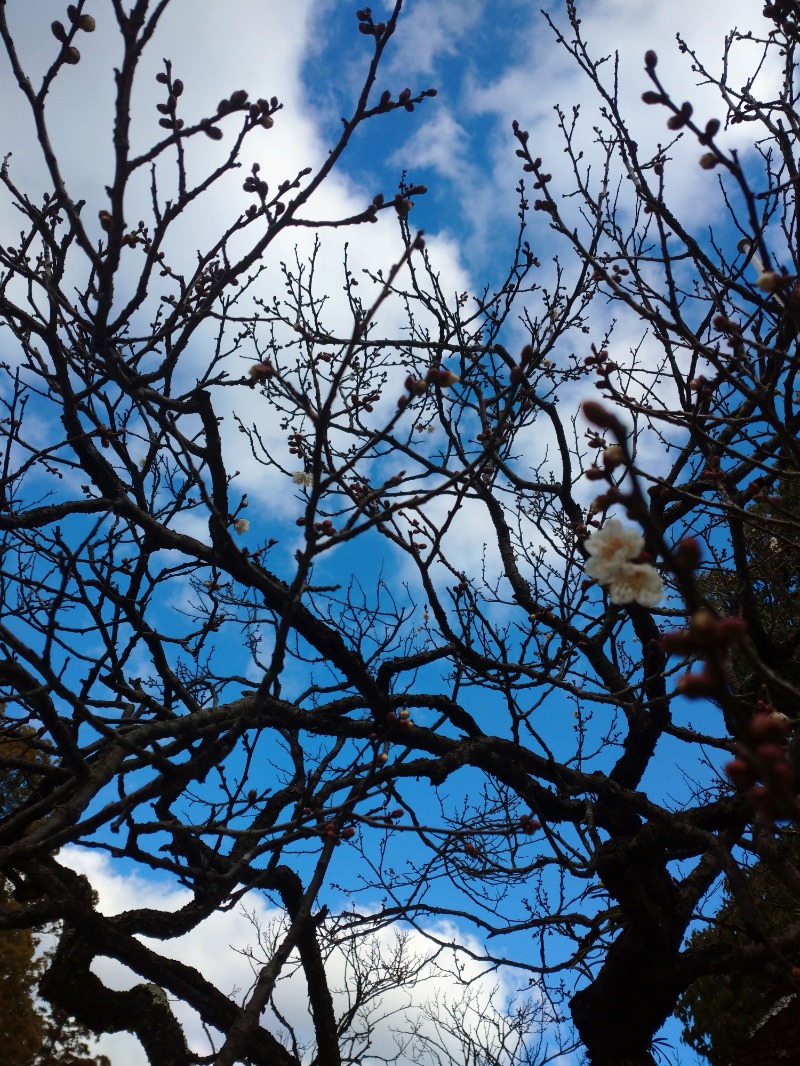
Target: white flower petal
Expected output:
[636,583]
[610,547]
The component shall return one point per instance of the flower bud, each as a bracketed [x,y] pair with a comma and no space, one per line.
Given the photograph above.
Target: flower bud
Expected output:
[688,553]
[600,416]
[613,457]
[415,386]
[678,642]
[442,377]
[730,631]
[86,23]
[72,55]
[725,324]
[529,824]
[769,281]
[695,686]
[261,371]
[769,727]
[771,752]
[708,160]
[765,800]
[703,622]
[741,773]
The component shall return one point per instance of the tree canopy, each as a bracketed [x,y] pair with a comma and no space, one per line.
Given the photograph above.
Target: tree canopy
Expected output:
[464,615]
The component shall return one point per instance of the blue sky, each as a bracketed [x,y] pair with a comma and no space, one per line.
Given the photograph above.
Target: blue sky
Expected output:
[490,63]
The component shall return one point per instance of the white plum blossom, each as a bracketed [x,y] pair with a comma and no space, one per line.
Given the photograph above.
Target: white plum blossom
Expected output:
[635,583]
[610,547]
[304,478]
[240,526]
[611,550]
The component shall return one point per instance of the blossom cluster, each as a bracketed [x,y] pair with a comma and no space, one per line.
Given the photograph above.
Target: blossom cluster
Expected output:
[765,756]
[612,549]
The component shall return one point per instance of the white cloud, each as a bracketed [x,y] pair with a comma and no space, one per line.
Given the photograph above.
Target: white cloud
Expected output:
[431,29]
[214,51]
[548,77]
[409,991]
[441,143]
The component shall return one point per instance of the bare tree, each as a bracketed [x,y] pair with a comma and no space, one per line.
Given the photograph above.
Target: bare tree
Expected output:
[488,743]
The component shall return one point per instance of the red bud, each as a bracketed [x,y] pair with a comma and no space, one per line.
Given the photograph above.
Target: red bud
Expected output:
[741,773]
[600,416]
[769,727]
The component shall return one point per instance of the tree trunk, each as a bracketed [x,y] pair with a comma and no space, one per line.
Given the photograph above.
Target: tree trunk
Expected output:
[618,1015]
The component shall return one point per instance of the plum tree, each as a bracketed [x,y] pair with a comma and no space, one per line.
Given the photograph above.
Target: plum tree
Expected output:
[298,608]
